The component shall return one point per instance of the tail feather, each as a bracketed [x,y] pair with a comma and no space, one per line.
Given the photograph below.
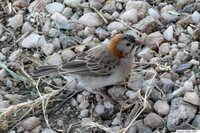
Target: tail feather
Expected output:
[45,70]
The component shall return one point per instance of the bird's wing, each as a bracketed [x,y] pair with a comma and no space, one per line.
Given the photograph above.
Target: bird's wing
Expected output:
[95,62]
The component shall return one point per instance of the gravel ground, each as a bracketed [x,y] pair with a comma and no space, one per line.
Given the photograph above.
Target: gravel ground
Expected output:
[161,94]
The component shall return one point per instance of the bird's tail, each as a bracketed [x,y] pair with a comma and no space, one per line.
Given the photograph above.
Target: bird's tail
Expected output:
[45,70]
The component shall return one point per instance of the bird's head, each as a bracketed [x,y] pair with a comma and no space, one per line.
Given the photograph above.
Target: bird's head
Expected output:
[121,45]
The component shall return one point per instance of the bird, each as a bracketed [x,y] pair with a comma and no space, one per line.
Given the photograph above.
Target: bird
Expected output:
[100,66]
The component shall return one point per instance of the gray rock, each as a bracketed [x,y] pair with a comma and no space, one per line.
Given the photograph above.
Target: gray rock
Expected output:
[195,17]
[132,129]
[80,48]
[66,41]
[84,104]
[165,13]
[4,104]
[47,48]
[164,48]
[168,33]
[16,21]
[161,107]
[180,114]
[183,67]
[142,128]
[192,97]
[146,53]
[27,28]
[153,120]
[2,56]
[67,54]
[56,43]
[3,73]
[31,41]
[99,109]
[136,82]
[131,94]
[190,30]
[67,12]
[102,34]
[47,25]
[84,113]
[30,123]
[116,26]
[148,25]
[54,59]
[47,130]
[184,38]
[194,62]
[15,55]
[181,3]
[196,122]
[129,16]
[73,3]
[117,93]
[96,4]
[194,46]
[86,20]
[152,12]
[1,29]
[60,20]
[154,40]
[54,7]
[109,7]
[141,7]
[117,120]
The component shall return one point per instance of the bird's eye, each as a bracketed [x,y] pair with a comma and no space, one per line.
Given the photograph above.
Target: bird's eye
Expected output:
[128,44]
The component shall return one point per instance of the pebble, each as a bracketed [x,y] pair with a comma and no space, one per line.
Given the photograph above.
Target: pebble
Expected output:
[84,113]
[183,67]
[194,62]
[60,20]
[131,94]
[84,104]
[196,122]
[165,13]
[182,45]
[73,3]
[109,7]
[168,33]
[184,38]
[194,46]
[47,25]
[89,31]
[190,30]
[16,21]
[67,54]
[117,92]
[1,29]
[146,53]
[192,97]
[15,55]
[53,32]
[67,12]
[116,26]
[3,73]
[56,43]
[129,16]
[86,20]
[180,113]
[96,4]
[148,25]
[79,98]
[66,41]
[30,123]
[4,104]
[141,7]
[2,56]
[108,105]
[99,109]
[54,7]
[195,17]
[164,48]
[54,59]
[47,48]
[154,40]
[117,120]
[27,28]
[80,48]
[47,130]
[74,102]
[152,12]
[153,120]
[102,33]
[161,107]
[132,129]
[31,41]
[20,3]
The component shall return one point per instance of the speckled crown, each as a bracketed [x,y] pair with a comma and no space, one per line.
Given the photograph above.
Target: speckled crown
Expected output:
[129,38]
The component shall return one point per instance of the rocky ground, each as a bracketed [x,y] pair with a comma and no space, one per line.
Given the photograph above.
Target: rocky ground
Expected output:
[161,94]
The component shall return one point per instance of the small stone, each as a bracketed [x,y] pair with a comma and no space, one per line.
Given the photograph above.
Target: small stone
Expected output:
[31,41]
[116,120]
[183,67]
[66,41]
[2,57]
[165,13]
[153,120]
[47,25]
[148,25]
[79,98]
[16,21]
[84,104]
[4,104]
[196,122]
[20,3]
[1,29]
[3,73]
[54,7]
[132,129]
[161,107]
[84,113]
[194,46]
[96,4]
[67,12]
[109,7]
[108,105]
[99,109]
[182,45]
[154,40]
[73,3]
[146,53]
[129,16]
[184,38]
[60,20]
[192,97]
[181,3]
[116,26]
[117,93]
[67,54]
[80,48]
[86,20]
[20,129]
[131,94]
[47,48]
[195,17]
[115,129]
[89,31]
[164,48]
[54,59]
[74,102]
[152,12]
[53,32]
[30,123]
[56,43]
[15,55]
[190,30]
[194,62]
[27,28]
[47,130]
[102,34]
[168,33]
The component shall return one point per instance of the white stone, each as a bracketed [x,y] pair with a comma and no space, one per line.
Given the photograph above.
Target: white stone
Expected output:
[47,48]
[73,3]
[67,12]
[84,113]
[161,107]
[152,12]
[16,21]
[3,73]
[116,26]
[194,62]
[91,19]
[165,13]
[84,104]
[54,59]
[27,28]
[99,109]
[31,41]
[54,7]
[194,46]
[1,29]
[129,16]
[192,97]
[190,30]
[67,54]
[131,94]
[195,17]
[168,33]
[2,57]
[60,20]
[146,53]
[15,55]
[188,85]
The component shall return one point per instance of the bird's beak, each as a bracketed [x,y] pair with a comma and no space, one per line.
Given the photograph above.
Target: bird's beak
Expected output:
[137,43]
